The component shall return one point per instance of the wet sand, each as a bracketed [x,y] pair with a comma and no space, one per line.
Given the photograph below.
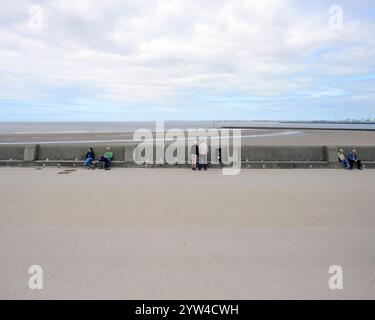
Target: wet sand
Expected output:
[178,234]
[250,136]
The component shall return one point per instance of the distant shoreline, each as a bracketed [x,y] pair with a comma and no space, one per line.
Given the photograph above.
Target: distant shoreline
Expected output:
[299,128]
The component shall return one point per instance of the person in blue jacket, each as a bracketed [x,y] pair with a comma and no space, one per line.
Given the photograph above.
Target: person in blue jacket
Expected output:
[354,158]
[90,157]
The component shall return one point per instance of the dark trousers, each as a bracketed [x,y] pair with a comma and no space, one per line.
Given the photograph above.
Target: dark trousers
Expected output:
[351,164]
[202,165]
[106,162]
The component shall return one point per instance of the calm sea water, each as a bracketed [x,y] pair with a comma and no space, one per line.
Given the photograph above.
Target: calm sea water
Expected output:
[131,126]
[82,127]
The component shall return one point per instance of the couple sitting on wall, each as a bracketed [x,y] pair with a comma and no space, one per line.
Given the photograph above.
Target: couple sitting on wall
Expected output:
[348,162]
[106,159]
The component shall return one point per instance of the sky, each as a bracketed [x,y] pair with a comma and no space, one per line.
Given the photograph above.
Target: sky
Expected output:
[103,60]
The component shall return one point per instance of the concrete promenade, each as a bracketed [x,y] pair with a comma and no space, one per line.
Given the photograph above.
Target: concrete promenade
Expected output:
[178,234]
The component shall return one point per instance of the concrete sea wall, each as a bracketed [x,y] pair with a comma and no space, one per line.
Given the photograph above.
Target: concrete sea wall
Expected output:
[251,156]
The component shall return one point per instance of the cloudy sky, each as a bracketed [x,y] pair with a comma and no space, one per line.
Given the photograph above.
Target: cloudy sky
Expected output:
[185,59]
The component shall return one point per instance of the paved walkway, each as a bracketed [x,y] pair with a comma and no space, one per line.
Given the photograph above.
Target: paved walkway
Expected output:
[178,234]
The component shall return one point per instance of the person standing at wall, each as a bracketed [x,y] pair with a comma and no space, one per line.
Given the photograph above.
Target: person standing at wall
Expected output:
[194,155]
[203,151]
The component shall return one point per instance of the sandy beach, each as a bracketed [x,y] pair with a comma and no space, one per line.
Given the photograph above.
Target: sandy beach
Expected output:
[249,136]
[177,234]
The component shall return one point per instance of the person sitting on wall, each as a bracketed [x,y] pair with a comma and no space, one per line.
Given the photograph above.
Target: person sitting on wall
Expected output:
[106,158]
[343,160]
[90,157]
[354,158]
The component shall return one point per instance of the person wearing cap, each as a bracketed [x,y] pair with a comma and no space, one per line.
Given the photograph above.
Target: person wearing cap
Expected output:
[343,160]
[354,158]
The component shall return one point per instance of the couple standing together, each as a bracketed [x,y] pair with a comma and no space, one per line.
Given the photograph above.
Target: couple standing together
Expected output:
[199,153]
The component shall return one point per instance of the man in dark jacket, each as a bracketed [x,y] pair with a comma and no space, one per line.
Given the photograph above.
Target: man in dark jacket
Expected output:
[90,157]
[353,158]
